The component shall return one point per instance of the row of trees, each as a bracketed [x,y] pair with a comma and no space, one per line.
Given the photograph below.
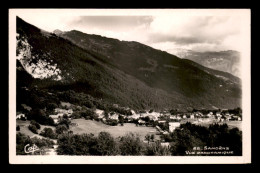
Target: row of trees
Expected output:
[181,140]
[105,144]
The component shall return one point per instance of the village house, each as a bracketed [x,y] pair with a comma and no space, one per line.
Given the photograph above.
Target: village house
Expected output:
[152,117]
[218,114]
[165,144]
[55,118]
[173,126]
[227,117]
[134,116]
[133,112]
[20,115]
[155,114]
[173,117]
[141,122]
[100,113]
[162,121]
[63,111]
[178,117]
[200,120]
[236,118]
[184,116]
[114,117]
[210,114]
[192,116]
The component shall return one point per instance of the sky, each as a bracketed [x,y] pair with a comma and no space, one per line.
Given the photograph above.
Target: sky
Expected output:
[170,31]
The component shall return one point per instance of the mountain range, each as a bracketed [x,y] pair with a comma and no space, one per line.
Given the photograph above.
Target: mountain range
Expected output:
[130,74]
[227,61]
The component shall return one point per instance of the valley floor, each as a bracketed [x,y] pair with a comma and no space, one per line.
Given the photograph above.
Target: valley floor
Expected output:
[89,126]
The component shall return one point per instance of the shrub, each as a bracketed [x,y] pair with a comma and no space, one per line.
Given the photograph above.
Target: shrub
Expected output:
[106,145]
[48,132]
[33,128]
[66,122]
[61,128]
[131,144]
[40,116]
[75,115]
[37,125]
[112,122]
[18,128]
[156,149]
[69,144]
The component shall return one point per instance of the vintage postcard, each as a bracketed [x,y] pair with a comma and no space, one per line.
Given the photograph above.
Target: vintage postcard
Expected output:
[129,86]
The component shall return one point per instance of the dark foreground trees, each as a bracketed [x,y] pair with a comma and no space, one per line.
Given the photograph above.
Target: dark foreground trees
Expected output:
[189,136]
[181,140]
[105,144]
[22,141]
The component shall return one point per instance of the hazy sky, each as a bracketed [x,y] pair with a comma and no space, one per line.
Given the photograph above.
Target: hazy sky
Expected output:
[199,32]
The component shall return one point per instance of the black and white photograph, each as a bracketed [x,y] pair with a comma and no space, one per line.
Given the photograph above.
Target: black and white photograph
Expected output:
[130,86]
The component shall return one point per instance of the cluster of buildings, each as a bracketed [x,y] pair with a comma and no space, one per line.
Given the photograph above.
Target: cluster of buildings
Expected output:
[165,117]
[60,113]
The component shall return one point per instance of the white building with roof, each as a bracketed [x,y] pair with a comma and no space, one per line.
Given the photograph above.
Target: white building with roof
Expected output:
[63,111]
[114,116]
[173,126]
[100,113]
[19,116]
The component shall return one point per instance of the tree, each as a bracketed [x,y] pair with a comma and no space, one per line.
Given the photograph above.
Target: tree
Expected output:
[121,119]
[106,145]
[65,116]
[88,114]
[152,137]
[156,149]
[149,137]
[48,132]
[39,116]
[18,128]
[51,106]
[37,125]
[74,144]
[60,129]
[33,128]
[75,115]
[131,144]
[66,122]
[184,141]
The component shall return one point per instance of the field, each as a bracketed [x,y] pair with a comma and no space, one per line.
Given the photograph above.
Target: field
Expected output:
[24,128]
[89,126]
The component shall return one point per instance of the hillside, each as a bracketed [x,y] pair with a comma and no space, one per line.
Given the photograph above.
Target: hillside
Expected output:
[127,73]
